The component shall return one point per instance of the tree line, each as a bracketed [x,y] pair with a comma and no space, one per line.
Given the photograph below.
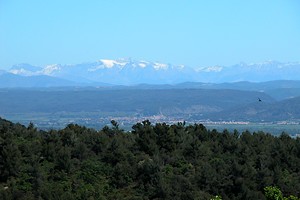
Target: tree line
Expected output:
[152,161]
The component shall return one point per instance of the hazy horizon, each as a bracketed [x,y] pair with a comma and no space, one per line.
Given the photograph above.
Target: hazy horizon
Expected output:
[132,59]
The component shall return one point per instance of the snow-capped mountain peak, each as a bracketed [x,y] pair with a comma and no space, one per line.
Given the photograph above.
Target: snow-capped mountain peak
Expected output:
[143,64]
[128,72]
[210,69]
[24,69]
[112,63]
[159,66]
[50,69]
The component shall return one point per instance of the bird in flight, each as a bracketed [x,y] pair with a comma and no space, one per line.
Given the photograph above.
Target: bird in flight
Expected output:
[259,99]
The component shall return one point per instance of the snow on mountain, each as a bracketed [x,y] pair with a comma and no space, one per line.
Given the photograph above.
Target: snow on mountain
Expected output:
[266,71]
[254,72]
[111,63]
[24,69]
[159,66]
[50,69]
[210,69]
[131,72]
[122,71]
[143,64]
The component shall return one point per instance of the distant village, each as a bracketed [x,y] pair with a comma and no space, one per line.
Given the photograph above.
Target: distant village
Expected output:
[126,122]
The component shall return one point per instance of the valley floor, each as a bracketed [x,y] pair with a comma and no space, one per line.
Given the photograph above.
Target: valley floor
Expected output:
[46,121]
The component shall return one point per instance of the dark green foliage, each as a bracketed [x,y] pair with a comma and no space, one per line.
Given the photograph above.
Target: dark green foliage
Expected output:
[154,161]
[274,193]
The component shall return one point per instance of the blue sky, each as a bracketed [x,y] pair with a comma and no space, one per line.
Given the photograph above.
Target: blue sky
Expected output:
[195,33]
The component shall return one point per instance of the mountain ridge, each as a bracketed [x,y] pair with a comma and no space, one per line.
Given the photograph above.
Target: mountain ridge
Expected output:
[130,72]
[285,110]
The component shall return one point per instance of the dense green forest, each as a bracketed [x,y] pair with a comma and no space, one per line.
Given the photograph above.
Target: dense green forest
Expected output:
[153,161]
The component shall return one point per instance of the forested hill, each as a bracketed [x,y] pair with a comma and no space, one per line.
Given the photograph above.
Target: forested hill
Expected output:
[153,161]
[262,111]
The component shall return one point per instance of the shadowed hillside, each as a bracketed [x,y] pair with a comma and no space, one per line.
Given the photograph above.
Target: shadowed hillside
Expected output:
[169,102]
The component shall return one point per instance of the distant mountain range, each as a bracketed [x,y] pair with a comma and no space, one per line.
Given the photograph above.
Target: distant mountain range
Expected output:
[10,80]
[128,72]
[135,89]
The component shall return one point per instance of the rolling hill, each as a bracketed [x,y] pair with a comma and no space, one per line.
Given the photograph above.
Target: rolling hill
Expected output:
[285,110]
[168,102]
